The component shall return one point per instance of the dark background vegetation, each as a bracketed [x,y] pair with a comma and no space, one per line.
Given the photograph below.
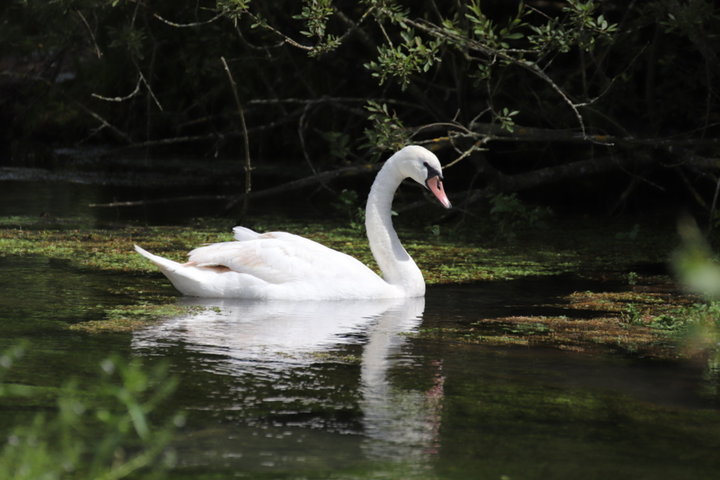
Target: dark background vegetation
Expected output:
[603,106]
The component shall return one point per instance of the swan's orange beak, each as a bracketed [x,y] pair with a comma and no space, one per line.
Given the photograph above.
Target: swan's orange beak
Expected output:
[435,185]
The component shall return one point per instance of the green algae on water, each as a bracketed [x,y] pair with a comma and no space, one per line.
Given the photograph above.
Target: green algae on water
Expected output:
[126,318]
[626,320]
[465,257]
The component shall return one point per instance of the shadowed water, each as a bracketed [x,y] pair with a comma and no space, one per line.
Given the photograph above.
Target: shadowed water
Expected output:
[350,390]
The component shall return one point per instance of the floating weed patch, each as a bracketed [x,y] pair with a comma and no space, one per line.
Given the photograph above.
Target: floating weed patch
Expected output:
[634,319]
[469,335]
[336,357]
[104,249]
[449,262]
[528,329]
[111,248]
[558,332]
[619,301]
[126,318]
[460,256]
[646,320]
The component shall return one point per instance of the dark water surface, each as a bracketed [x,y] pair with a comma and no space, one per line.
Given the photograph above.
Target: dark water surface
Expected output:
[350,390]
[346,390]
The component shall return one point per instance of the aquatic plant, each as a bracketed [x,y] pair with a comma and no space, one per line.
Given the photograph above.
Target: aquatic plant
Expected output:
[126,318]
[105,430]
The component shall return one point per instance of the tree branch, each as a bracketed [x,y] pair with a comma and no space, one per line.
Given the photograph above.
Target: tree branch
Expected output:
[120,99]
[187,25]
[233,200]
[80,106]
[246,138]
[319,178]
[444,34]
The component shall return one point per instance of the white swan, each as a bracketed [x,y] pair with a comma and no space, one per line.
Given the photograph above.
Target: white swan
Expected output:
[280,265]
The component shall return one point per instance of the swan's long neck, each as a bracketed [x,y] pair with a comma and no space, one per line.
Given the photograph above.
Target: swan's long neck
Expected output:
[397,266]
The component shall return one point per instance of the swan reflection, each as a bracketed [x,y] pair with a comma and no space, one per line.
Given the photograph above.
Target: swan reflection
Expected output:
[280,331]
[240,338]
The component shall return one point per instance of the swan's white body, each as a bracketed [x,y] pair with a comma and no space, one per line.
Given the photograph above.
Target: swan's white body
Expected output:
[280,265]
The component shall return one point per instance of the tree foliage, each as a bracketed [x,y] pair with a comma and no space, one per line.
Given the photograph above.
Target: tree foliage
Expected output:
[524,93]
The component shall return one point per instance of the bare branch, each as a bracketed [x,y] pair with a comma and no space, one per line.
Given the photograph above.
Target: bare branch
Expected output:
[353,26]
[158,201]
[477,146]
[487,132]
[491,52]
[213,136]
[241,113]
[187,25]
[277,32]
[98,52]
[149,88]
[319,178]
[120,99]
[233,200]
[103,123]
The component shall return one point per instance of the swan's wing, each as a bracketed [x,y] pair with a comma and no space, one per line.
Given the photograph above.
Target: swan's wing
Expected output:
[243,233]
[279,257]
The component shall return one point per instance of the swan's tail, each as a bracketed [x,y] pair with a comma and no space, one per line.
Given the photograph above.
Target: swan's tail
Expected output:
[203,282]
[188,280]
[165,264]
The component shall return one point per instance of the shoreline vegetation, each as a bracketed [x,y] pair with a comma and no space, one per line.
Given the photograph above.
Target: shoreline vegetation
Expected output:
[632,306]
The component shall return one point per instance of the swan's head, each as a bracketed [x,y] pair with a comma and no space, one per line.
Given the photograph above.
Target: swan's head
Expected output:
[421,165]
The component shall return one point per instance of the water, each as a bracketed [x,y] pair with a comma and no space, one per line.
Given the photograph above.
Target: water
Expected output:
[345,390]
[350,390]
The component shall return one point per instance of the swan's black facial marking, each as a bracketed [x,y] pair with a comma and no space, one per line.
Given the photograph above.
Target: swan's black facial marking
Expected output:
[434,183]
[431,172]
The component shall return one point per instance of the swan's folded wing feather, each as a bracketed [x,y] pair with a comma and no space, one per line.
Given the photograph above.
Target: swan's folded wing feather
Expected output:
[279,257]
[243,233]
